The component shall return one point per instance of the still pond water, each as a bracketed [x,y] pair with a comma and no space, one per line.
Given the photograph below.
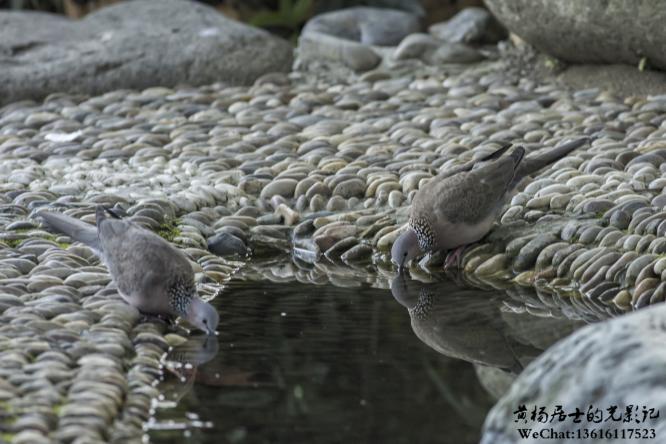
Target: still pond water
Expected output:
[302,363]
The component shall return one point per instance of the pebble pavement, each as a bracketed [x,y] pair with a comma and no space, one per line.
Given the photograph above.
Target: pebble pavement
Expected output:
[315,165]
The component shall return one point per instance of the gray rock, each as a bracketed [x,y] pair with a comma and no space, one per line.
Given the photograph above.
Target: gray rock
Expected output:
[450,52]
[529,253]
[30,437]
[471,25]
[659,201]
[131,45]
[620,219]
[226,244]
[587,31]
[616,362]
[280,187]
[354,55]
[346,36]
[350,188]
[433,51]
[597,206]
[357,253]
[369,26]
[415,46]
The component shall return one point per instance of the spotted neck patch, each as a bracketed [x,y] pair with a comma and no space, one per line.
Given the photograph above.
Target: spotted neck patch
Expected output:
[424,233]
[423,307]
[180,295]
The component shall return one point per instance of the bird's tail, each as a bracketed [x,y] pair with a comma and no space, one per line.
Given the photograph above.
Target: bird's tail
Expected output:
[498,153]
[517,155]
[100,214]
[533,164]
[74,228]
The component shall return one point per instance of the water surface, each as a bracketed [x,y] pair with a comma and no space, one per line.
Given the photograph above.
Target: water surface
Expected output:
[303,363]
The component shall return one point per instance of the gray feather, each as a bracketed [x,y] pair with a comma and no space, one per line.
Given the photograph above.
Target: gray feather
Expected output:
[534,163]
[149,270]
[473,163]
[467,197]
[458,207]
[74,228]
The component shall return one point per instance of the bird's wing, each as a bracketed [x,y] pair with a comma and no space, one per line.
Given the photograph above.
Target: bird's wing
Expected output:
[532,164]
[476,163]
[74,228]
[143,264]
[468,197]
[131,259]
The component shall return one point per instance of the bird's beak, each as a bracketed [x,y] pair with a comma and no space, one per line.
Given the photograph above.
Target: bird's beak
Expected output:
[400,264]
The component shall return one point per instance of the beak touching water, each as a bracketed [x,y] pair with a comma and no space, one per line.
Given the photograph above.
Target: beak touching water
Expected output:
[399,262]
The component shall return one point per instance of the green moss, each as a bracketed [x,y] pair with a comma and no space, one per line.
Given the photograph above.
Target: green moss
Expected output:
[53,238]
[552,63]
[62,245]
[168,230]
[289,16]
[14,243]
[6,437]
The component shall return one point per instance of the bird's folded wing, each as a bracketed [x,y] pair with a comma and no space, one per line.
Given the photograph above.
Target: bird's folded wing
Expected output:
[468,197]
[476,163]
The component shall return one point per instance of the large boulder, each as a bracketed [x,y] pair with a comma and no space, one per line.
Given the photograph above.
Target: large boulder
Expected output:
[348,36]
[133,44]
[471,25]
[589,31]
[613,363]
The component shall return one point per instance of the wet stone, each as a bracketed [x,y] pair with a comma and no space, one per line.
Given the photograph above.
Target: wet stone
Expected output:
[350,188]
[280,187]
[358,253]
[620,219]
[528,254]
[226,244]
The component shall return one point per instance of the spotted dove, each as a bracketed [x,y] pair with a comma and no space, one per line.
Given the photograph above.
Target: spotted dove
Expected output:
[150,273]
[459,206]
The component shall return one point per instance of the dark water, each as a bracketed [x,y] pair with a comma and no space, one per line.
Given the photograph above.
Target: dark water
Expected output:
[300,363]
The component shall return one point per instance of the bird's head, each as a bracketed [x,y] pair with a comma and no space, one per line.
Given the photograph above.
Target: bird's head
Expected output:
[405,248]
[202,315]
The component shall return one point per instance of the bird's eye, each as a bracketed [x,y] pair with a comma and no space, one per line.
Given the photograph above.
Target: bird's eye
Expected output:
[205,321]
[405,254]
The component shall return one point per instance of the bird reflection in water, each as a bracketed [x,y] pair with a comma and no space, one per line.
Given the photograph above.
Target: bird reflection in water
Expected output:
[476,326]
[184,366]
[181,364]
